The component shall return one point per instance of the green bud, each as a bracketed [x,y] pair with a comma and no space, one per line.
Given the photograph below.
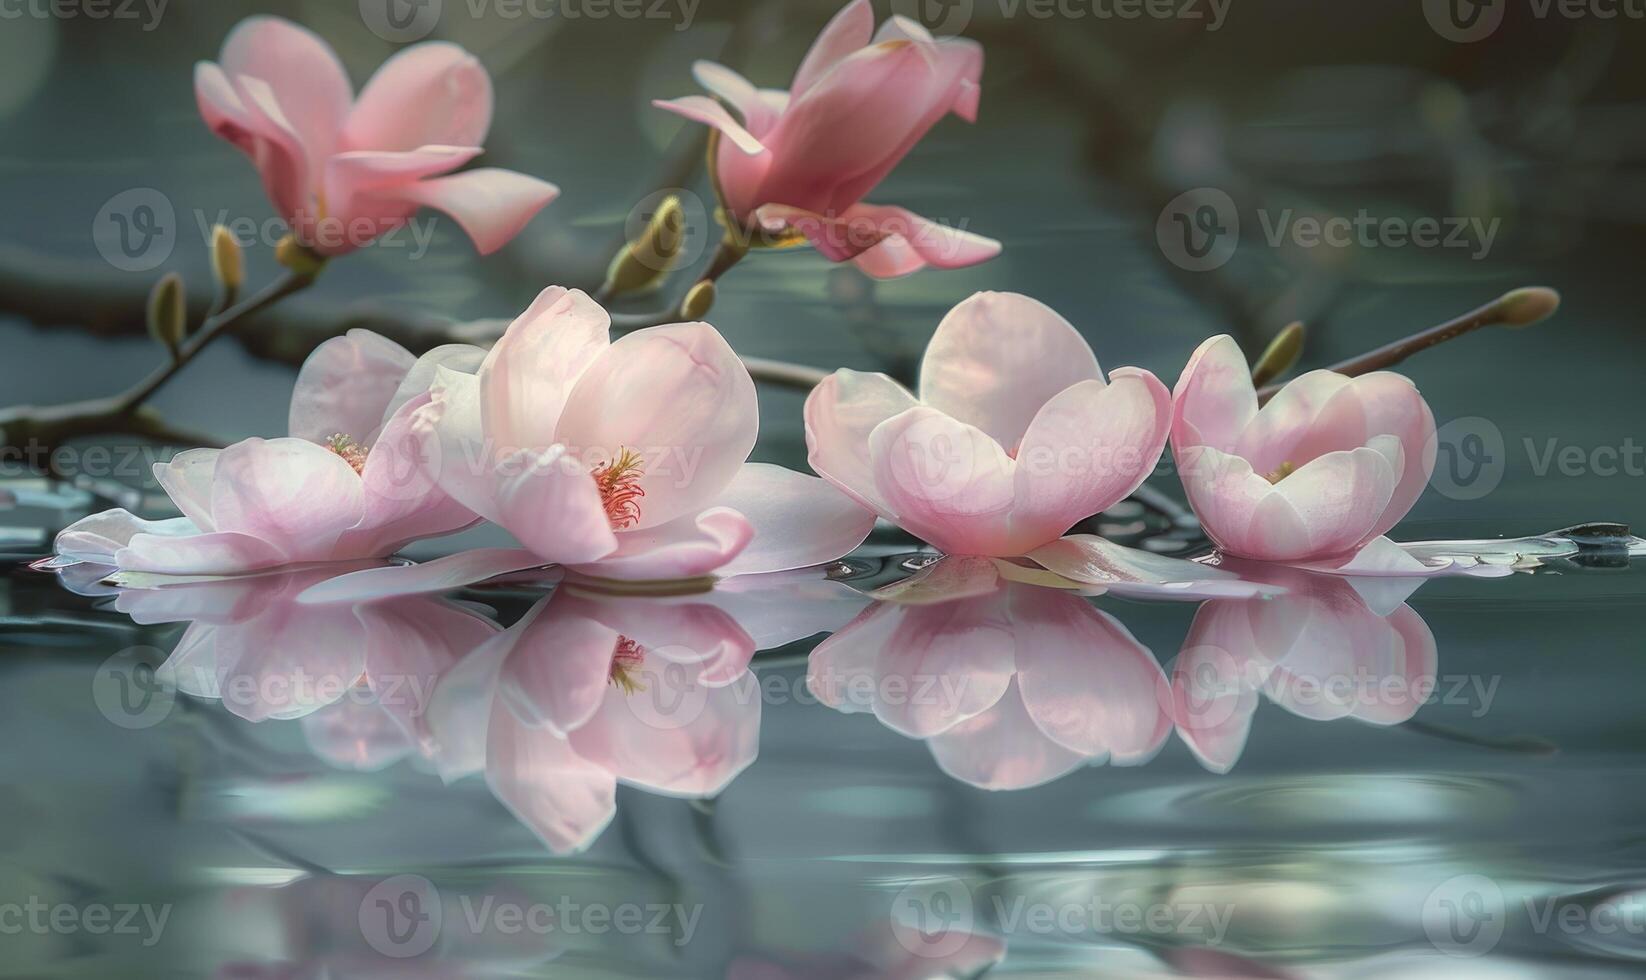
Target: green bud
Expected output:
[698,301]
[1282,352]
[227,264]
[298,258]
[641,264]
[1526,306]
[168,312]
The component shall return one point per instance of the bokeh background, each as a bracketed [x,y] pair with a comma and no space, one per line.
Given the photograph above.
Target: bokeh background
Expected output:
[1091,124]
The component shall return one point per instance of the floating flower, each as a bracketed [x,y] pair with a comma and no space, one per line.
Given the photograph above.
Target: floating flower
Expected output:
[1015,435]
[624,459]
[1327,467]
[801,161]
[343,171]
[345,484]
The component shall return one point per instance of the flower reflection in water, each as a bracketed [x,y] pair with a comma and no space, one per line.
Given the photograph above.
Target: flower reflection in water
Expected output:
[1012,684]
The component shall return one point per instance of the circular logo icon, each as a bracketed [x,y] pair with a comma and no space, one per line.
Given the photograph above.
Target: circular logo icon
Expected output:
[943,17]
[1210,687]
[1198,230]
[401,21]
[663,685]
[405,461]
[1469,458]
[401,916]
[682,233]
[135,230]
[129,691]
[1464,916]
[1464,21]
[933,918]
[935,460]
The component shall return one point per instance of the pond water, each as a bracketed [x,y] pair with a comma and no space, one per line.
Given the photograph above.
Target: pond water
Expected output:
[783,776]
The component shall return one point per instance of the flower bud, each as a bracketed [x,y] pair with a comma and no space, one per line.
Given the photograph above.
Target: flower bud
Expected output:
[698,301]
[641,264]
[298,258]
[1282,352]
[167,312]
[1526,306]
[227,265]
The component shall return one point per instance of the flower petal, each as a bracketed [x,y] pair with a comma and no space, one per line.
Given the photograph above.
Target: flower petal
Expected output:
[558,669]
[997,358]
[213,553]
[490,204]
[1003,749]
[187,479]
[840,413]
[402,500]
[851,28]
[530,371]
[100,536]
[461,358]
[949,483]
[453,445]
[886,242]
[798,520]
[679,397]
[551,505]
[1087,449]
[345,385]
[1214,399]
[302,71]
[565,799]
[1326,508]
[297,496]
[686,547]
[699,108]
[759,114]
[273,147]
[1098,562]
[440,575]
[427,93]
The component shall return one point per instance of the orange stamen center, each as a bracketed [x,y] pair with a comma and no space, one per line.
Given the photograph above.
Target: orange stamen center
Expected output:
[626,658]
[620,490]
[352,452]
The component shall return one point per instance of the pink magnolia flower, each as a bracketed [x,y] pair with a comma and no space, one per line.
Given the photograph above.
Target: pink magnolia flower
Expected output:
[1327,467]
[1010,685]
[624,459]
[343,485]
[1015,435]
[804,159]
[1329,647]
[343,171]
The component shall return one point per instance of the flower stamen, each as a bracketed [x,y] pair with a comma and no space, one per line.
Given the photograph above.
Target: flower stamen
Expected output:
[620,490]
[353,453]
[626,658]
[1281,472]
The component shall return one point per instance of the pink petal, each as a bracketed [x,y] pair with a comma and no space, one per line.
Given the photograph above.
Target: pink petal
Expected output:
[798,520]
[100,536]
[187,479]
[427,93]
[490,204]
[213,553]
[1326,508]
[1213,686]
[998,358]
[1214,399]
[1095,561]
[552,506]
[356,735]
[295,495]
[402,501]
[459,358]
[1378,404]
[949,483]
[1003,749]
[366,193]
[440,575]
[840,413]
[676,736]
[843,671]
[270,143]
[565,799]
[687,547]
[1224,492]
[1087,449]
[759,114]
[948,579]
[851,28]
[345,385]
[699,108]
[885,242]
[943,664]
[410,644]
[453,444]
[1286,429]
[1417,663]
[530,371]
[1086,682]
[558,669]
[302,72]
[679,397]
[287,662]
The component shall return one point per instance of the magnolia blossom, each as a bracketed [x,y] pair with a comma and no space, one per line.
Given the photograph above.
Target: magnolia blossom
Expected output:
[1327,467]
[802,160]
[1015,435]
[1329,647]
[624,459]
[1011,685]
[343,170]
[345,484]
